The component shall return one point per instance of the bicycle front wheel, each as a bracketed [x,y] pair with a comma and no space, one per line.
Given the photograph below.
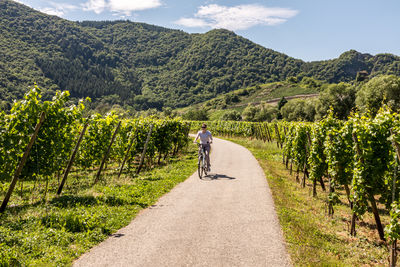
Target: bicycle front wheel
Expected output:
[200,167]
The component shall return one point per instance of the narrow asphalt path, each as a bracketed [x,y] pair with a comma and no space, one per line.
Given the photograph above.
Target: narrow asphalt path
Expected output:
[226,219]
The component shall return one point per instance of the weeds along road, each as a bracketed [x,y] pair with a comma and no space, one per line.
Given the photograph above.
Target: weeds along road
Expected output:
[226,219]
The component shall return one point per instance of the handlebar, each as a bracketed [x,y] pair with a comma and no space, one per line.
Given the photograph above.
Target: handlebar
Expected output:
[202,144]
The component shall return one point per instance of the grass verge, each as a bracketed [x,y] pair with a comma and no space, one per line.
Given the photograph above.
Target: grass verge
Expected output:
[58,231]
[313,238]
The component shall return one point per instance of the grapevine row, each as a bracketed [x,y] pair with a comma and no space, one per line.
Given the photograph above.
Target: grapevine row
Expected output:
[360,155]
[60,132]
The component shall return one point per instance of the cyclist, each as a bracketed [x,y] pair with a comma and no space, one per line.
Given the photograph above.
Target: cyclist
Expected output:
[205,141]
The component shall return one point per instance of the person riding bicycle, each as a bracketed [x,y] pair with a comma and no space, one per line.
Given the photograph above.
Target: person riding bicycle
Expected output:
[205,141]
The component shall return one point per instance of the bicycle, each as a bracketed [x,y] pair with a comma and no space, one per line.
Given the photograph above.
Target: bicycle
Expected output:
[202,167]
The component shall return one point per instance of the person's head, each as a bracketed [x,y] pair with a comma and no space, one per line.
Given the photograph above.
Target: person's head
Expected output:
[204,127]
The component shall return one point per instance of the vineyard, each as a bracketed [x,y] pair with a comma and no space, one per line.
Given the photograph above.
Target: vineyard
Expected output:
[49,151]
[360,156]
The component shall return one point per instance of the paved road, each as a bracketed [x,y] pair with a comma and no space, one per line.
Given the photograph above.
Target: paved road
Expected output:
[227,219]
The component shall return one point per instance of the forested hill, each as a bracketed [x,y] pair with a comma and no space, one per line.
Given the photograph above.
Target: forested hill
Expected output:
[146,66]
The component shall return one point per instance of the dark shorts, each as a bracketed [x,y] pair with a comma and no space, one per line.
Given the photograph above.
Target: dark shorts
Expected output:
[206,147]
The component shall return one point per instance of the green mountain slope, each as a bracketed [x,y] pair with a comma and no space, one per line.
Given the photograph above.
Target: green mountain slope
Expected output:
[144,66]
[269,93]
[345,68]
[57,54]
[178,69]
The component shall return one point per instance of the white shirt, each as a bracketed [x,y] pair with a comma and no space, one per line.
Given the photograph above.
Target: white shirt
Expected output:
[204,137]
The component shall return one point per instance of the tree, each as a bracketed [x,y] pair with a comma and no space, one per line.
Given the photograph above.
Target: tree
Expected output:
[196,115]
[231,115]
[249,112]
[282,102]
[311,82]
[266,113]
[340,97]
[379,90]
[299,110]
[292,79]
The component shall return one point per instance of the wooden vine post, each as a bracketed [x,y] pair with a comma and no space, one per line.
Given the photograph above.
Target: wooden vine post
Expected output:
[278,141]
[370,196]
[256,132]
[72,158]
[22,163]
[126,155]
[268,133]
[144,150]
[107,153]
[263,137]
[331,211]
[265,131]
[261,133]
[283,152]
[307,148]
[354,216]
[315,180]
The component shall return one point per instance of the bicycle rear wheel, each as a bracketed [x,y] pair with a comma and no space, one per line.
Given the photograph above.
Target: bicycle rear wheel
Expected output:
[205,166]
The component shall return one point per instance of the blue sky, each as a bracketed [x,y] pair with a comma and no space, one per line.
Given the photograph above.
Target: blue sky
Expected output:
[304,29]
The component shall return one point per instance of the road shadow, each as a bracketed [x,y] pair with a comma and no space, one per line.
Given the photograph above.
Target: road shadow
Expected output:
[70,201]
[212,177]
[117,235]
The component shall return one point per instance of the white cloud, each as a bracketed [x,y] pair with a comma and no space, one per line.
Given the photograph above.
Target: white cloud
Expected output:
[192,22]
[97,6]
[58,9]
[133,5]
[120,6]
[63,6]
[237,17]
[52,11]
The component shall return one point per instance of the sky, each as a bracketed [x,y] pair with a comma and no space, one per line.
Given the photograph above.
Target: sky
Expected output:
[305,29]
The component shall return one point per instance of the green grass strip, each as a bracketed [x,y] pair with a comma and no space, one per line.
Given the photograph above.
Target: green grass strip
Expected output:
[313,238]
[57,232]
